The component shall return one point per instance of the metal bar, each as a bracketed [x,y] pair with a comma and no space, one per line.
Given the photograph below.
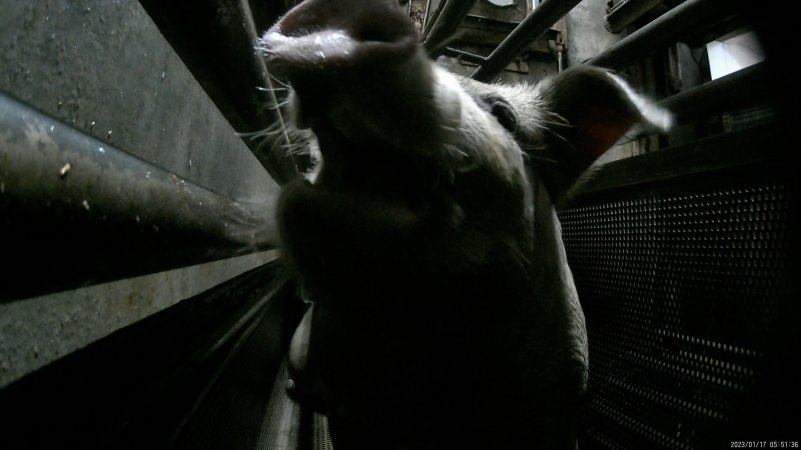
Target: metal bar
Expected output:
[531,28]
[746,86]
[464,56]
[432,19]
[232,341]
[452,15]
[741,150]
[82,212]
[628,12]
[131,389]
[691,15]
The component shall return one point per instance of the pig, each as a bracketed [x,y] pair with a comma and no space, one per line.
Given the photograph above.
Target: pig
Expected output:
[443,312]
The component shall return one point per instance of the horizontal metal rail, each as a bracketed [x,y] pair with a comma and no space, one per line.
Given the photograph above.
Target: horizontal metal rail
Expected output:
[464,56]
[699,160]
[747,86]
[668,28]
[83,212]
[134,388]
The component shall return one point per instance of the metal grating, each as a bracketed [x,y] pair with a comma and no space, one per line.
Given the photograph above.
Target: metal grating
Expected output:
[241,408]
[680,293]
[280,426]
[321,437]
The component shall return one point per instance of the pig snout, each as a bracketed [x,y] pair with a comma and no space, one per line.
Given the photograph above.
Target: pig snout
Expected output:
[324,38]
[355,67]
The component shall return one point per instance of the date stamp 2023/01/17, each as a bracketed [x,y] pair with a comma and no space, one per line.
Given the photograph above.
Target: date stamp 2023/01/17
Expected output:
[764,444]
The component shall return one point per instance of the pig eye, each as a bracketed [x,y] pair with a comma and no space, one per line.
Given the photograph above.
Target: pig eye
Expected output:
[504,113]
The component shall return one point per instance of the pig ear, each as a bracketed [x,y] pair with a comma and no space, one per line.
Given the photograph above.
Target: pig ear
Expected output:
[592,109]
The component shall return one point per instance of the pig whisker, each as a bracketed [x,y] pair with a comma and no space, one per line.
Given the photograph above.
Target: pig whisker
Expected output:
[277,80]
[541,159]
[457,150]
[277,106]
[272,89]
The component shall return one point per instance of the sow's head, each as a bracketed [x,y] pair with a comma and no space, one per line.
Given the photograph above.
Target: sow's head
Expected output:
[363,85]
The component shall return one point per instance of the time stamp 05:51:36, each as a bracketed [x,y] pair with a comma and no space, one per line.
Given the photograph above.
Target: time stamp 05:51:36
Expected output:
[764,444]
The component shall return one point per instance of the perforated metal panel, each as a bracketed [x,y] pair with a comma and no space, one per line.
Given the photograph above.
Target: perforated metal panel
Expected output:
[246,406]
[681,295]
[321,437]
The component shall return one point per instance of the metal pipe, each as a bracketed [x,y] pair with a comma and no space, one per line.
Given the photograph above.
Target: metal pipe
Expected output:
[559,44]
[448,21]
[740,88]
[663,31]
[628,12]
[432,19]
[700,159]
[531,28]
[465,56]
[82,212]
[559,64]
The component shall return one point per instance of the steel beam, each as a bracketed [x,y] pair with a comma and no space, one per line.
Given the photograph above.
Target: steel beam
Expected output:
[747,86]
[689,17]
[445,25]
[544,16]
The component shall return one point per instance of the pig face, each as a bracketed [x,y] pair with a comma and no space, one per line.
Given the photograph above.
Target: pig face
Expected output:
[426,236]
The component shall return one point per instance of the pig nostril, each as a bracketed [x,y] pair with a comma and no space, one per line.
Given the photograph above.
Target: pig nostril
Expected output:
[327,37]
[376,34]
[390,27]
[372,35]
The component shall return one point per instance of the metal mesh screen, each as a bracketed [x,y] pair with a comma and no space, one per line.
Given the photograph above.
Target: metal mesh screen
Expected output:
[680,293]
[321,438]
[245,406]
